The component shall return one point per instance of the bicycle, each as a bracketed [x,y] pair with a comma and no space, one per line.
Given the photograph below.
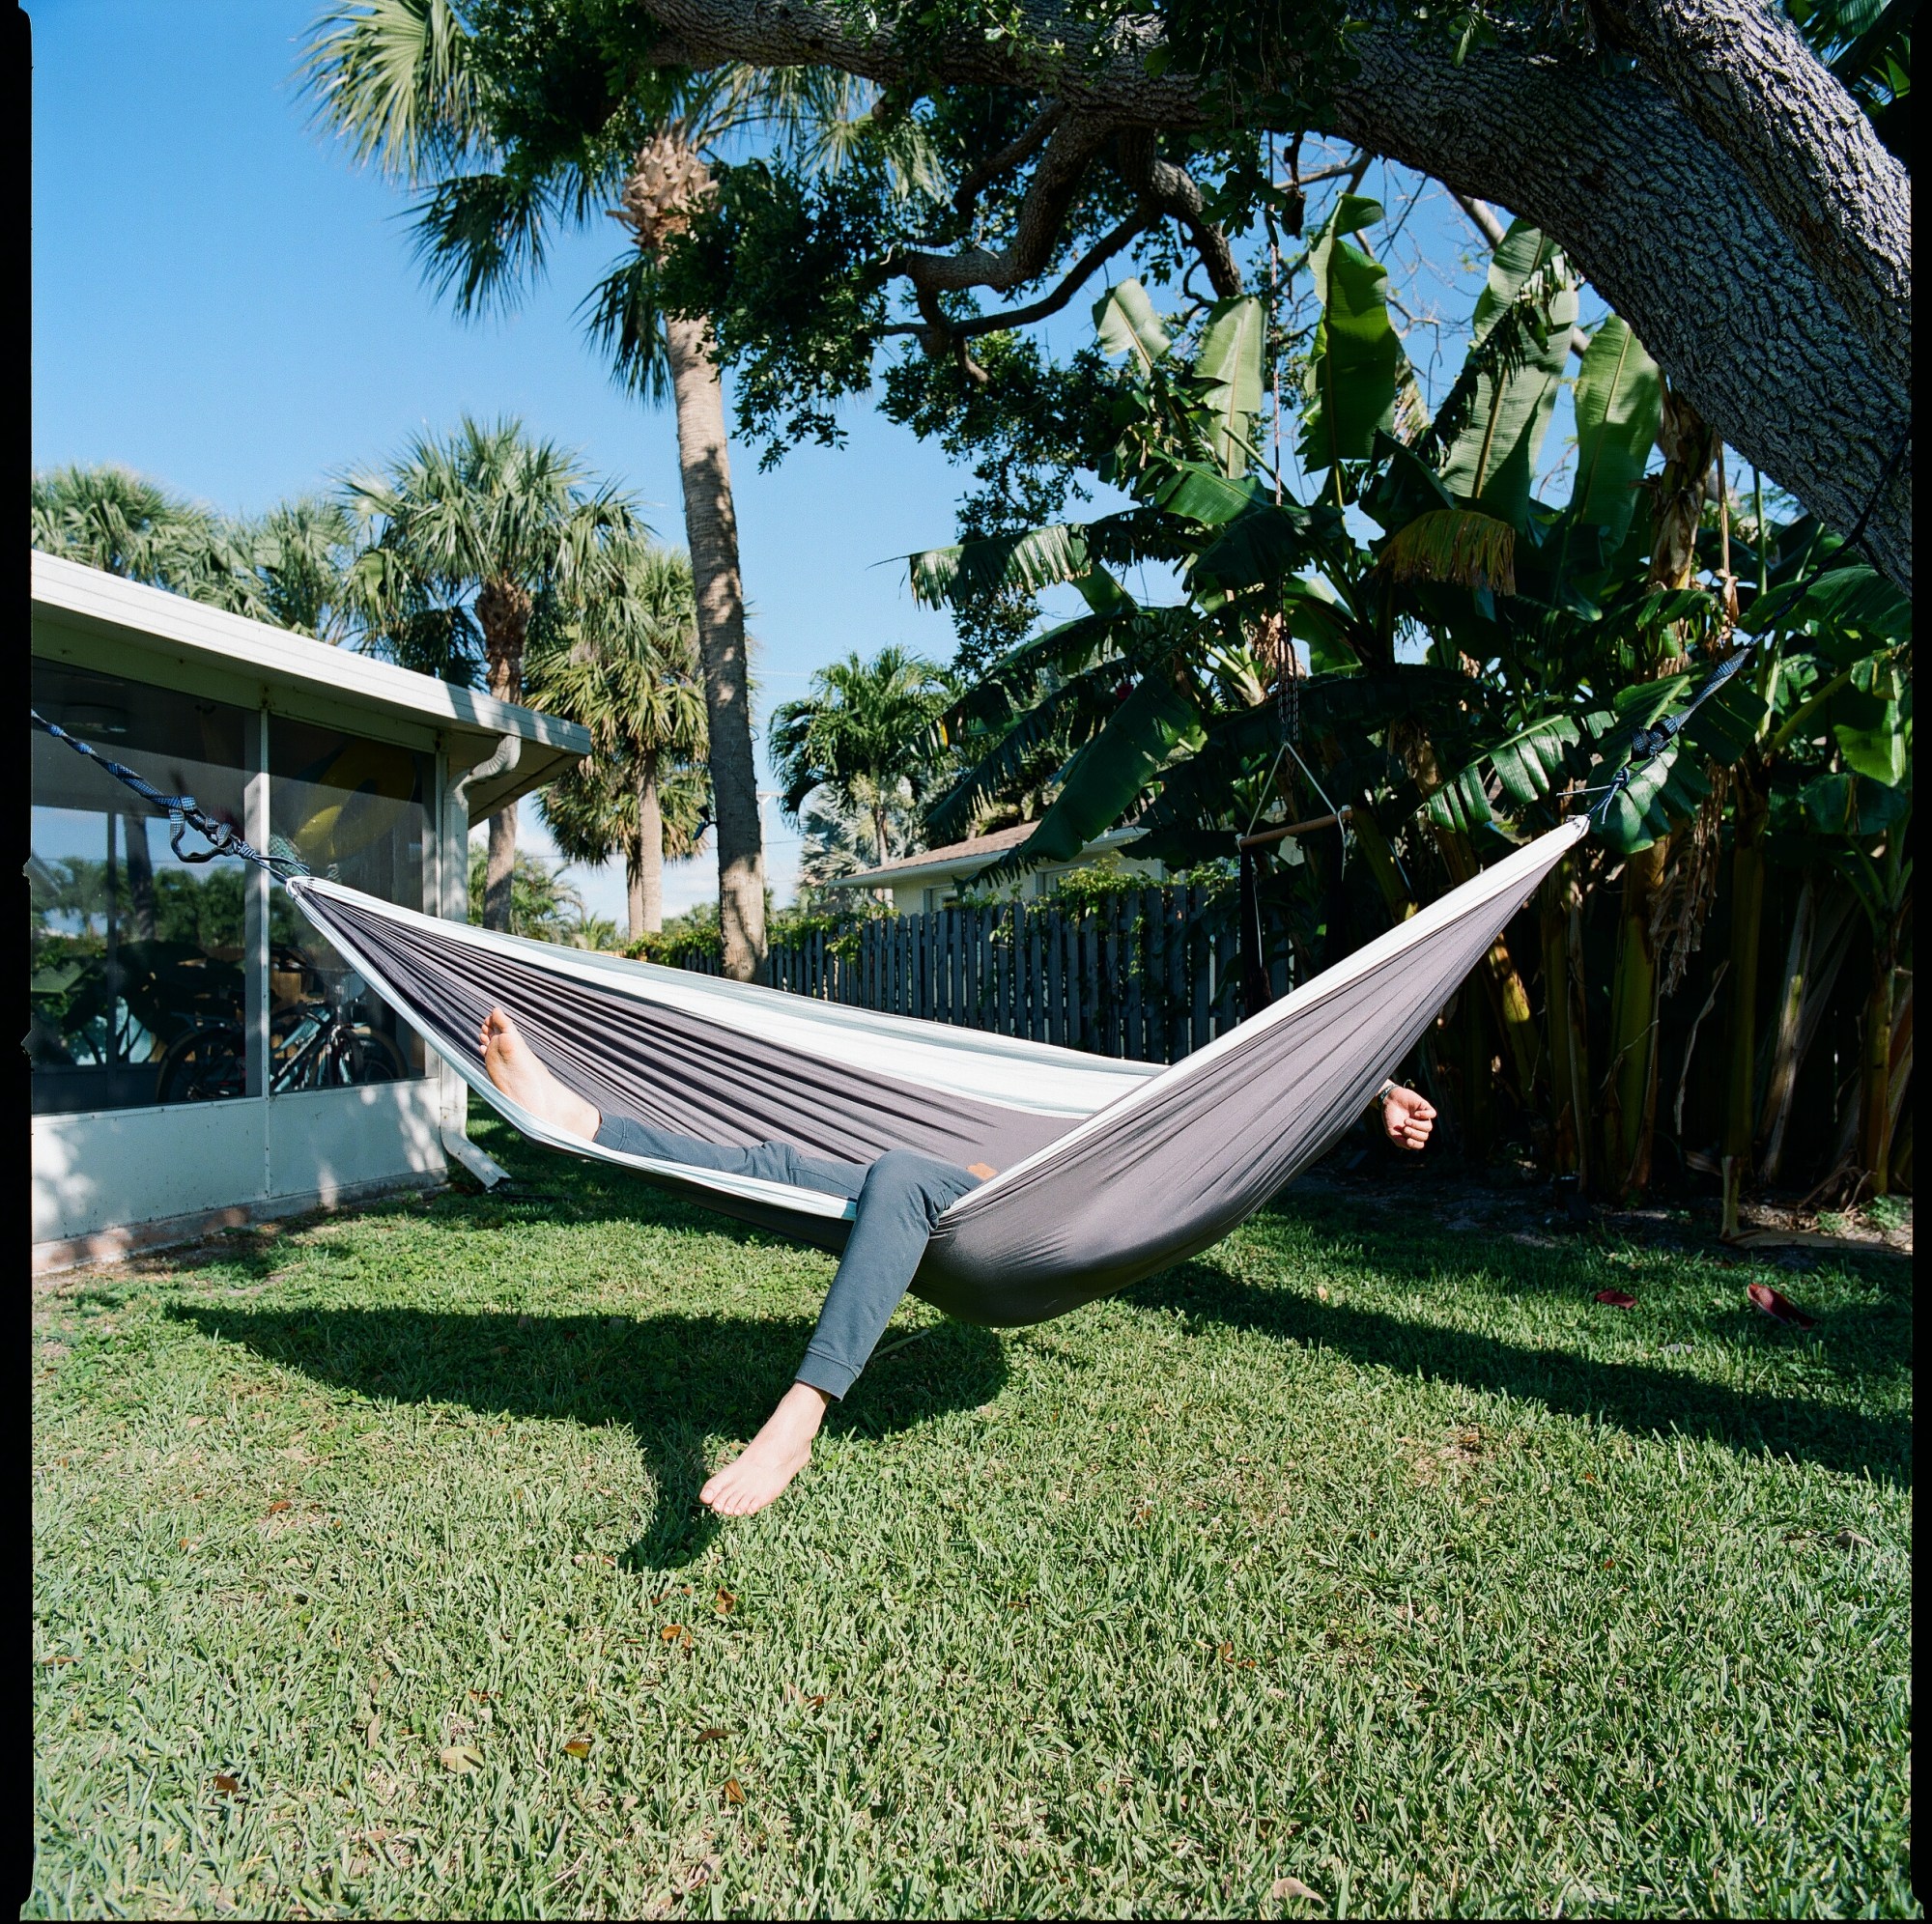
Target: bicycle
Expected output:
[323,1050]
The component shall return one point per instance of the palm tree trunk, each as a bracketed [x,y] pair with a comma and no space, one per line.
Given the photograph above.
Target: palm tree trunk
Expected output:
[504,613]
[634,890]
[650,848]
[711,529]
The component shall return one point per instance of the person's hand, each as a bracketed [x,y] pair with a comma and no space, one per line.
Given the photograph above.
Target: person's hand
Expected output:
[1407,1117]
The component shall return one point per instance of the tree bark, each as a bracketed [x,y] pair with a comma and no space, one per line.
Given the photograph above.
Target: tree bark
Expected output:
[1735,214]
[650,849]
[504,613]
[711,528]
[1743,74]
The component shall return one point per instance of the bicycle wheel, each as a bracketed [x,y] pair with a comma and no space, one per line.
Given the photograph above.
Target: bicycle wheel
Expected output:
[204,1065]
[375,1059]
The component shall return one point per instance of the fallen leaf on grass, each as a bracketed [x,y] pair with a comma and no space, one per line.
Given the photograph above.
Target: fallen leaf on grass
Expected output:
[1850,1540]
[1803,1239]
[671,1632]
[225,1784]
[733,1794]
[56,1659]
[281,1504]
[711,1735]
[1618,1299]
[1322,1291]
[461,1757]
[1780,1309]
[577,1746]
[1283,1887]
[727,1602]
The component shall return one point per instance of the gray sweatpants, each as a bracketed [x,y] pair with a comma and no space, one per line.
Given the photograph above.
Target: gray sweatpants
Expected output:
[899,1198]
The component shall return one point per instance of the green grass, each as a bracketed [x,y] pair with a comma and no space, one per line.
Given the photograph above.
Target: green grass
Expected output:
[1367,1550]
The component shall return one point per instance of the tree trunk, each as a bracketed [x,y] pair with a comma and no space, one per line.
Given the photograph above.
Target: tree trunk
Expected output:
[650,848]
[1568,1044]
[1783,1081]
[711,529]
[1875,1109]
[1630,1107]
[1509,998]
[1630,1116]
[879,831]
[1723,194]
[1746,924]
[634,890]
[504,613]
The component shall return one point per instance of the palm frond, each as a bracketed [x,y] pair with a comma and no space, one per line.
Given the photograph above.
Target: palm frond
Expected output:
[622,316]
[396,79]
[1456,545]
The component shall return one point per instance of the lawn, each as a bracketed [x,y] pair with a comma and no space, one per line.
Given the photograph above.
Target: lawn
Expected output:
[1364,1565]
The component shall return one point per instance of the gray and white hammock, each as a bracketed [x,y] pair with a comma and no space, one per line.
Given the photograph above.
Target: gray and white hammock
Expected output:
[1109,1170]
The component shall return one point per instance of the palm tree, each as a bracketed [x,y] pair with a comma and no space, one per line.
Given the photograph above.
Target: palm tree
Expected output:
[403,80]
[627,667]
[483,531]
[112,518]
[302,551]
[289,567]
[862,732]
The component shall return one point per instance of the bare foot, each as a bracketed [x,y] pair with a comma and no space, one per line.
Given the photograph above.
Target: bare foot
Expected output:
[512,1065]
[771,1458]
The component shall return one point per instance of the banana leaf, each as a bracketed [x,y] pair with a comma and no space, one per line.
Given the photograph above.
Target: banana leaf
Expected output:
[1619,401]
[1352,374]
[1105,779]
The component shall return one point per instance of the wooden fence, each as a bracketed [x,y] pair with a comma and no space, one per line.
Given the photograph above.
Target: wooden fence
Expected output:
[1151,975]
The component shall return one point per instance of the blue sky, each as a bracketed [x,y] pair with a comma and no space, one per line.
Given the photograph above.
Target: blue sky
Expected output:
[222,301]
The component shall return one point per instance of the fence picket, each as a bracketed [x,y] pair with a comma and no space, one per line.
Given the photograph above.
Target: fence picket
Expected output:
[1154,974]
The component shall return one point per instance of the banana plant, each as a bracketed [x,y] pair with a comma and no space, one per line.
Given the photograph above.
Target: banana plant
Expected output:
[1479,665]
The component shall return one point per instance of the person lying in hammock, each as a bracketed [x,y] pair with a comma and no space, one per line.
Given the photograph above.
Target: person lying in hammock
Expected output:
[899,1200]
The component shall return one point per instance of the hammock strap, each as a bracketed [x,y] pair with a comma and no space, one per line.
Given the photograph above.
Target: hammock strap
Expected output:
[181,811]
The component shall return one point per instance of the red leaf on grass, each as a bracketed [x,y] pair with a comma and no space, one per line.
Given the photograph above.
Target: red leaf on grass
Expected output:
[1778,1309]
[1618,1299]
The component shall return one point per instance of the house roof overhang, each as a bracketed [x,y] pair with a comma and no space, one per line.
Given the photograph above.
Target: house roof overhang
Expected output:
[965,859]
[325,682]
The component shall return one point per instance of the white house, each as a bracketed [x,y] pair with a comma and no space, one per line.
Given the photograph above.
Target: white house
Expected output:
[200,1058]
[936,877]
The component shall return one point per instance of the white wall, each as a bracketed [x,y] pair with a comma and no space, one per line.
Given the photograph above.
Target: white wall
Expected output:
[126,1168]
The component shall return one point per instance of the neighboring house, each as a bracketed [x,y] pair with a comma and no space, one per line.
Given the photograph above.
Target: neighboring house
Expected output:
[937,877]
[199,1057]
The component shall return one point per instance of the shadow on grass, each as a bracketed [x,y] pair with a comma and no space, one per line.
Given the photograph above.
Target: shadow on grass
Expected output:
[1633,1396]
[675,1380]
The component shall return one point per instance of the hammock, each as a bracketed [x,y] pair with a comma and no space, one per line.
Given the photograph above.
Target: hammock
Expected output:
[1109,1170]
